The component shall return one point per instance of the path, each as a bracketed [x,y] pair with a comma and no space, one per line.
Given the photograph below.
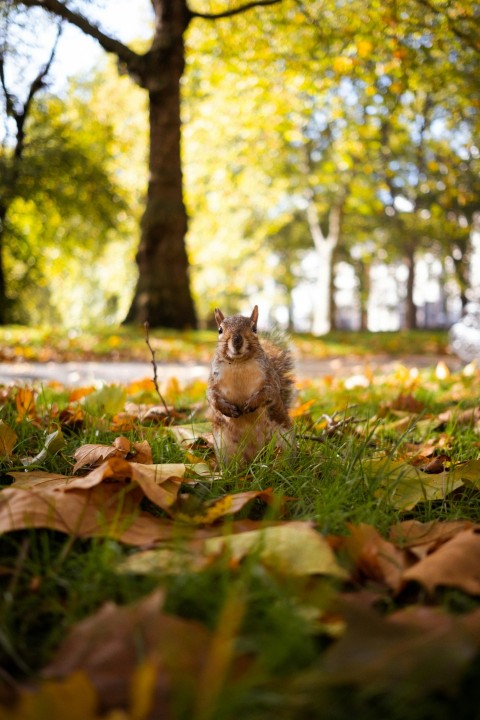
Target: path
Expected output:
[87,373]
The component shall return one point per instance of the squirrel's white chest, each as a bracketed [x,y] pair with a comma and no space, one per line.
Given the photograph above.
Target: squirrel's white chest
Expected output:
[238,381]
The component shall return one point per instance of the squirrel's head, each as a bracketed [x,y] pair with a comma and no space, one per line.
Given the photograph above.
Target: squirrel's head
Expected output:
[237,334]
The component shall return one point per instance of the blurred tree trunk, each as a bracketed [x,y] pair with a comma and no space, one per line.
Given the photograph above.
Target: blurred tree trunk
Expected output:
[325,245]
[3,289]
[410,309]
[162,296]
[362,271]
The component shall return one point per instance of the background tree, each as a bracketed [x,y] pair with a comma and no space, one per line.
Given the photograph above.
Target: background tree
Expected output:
[67,205]
[162,296]
[12,150]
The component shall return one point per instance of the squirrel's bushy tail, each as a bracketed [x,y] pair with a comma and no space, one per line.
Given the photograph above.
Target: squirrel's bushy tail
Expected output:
[275,344]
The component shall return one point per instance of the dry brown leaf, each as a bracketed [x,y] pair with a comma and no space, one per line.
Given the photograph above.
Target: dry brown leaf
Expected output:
[471,416]
[112,645]
[37,480]
[95,454]
[455,564]
[407,403]
[8,438]
[413,651]
[422,538]
[374,557]
[106,511]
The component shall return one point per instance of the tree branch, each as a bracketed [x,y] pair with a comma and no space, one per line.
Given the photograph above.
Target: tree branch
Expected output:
[108,43]
[234,11]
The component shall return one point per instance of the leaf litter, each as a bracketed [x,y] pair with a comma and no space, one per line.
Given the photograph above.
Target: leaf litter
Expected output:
[366,569]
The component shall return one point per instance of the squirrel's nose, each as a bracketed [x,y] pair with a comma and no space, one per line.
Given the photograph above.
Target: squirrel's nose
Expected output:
[237,340]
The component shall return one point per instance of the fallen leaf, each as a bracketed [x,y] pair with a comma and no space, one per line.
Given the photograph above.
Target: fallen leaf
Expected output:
[105,511]
[95,454]
[407,403]
[37,480]
[192,435]
[8,438]
[456,564]
[80,393]
[373,557]
[404,486]
[54,442]
[410,653]
[442,371]
[293,548]
[226,505]
[25,403]
[422,538]
[73,697]
[112,646]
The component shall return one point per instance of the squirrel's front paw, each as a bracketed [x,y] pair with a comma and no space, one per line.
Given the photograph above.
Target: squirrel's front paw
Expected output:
[229,409]
[249,408]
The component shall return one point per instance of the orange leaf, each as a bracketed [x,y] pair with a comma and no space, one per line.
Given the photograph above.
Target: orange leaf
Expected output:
[25,403]
[373,557]
[8,438]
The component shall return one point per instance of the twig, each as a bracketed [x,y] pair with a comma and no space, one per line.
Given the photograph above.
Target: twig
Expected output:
[154,363]
[333,426]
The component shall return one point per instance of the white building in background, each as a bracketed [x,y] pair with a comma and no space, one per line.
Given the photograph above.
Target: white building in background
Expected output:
[438,301]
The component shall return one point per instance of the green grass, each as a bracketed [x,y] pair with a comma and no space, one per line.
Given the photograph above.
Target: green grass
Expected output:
[51,581]
[43,344]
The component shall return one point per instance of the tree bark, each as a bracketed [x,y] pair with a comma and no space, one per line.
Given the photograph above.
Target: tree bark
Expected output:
[324,246]
[411,309]
[3,287]
[162,296]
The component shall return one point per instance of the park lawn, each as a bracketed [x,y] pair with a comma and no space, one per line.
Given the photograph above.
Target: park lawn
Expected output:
[141,581]
[44,344]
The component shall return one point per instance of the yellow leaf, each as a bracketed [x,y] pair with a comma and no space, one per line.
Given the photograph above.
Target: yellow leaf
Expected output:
[442,371]
[294,548]
[73,698]
[364,48]
[342,65]
[142,689]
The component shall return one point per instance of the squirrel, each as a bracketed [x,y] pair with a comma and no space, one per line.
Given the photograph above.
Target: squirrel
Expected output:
[250,389]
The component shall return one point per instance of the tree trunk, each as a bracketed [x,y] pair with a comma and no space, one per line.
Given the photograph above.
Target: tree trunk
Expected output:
[411,310]
[3,288]
[162,296]
[363,276]
[325,246]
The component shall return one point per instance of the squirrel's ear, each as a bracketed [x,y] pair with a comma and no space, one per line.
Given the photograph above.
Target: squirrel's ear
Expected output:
[254,316]
[219,316]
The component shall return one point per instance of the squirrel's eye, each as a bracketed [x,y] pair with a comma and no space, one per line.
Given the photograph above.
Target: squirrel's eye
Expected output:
[220,330]
[254,328]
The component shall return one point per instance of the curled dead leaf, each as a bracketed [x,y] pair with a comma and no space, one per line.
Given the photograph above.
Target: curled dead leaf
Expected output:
[455,564]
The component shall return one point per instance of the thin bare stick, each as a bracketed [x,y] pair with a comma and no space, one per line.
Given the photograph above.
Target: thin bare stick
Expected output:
[154,363]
